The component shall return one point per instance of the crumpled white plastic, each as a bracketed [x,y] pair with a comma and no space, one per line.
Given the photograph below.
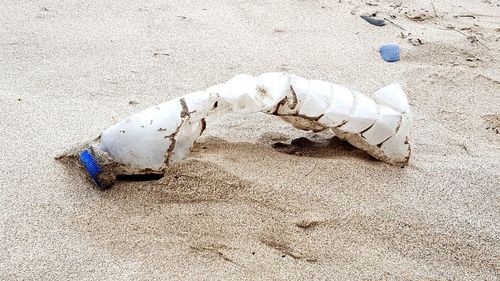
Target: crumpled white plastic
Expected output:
[160,135]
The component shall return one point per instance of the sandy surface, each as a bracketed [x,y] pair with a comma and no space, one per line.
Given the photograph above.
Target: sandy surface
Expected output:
[237,208]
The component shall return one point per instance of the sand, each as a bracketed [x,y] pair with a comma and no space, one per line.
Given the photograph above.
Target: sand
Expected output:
[237,208]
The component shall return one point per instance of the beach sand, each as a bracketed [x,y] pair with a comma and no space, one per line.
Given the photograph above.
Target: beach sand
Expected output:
[236,208]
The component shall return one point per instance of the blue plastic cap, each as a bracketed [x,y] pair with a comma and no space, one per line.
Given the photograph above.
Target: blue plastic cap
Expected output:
[390,52]
[90,164]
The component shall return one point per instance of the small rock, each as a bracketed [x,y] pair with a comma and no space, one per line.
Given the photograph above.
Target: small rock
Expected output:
[373,20]
[390,52]
[306,223]
[415,41]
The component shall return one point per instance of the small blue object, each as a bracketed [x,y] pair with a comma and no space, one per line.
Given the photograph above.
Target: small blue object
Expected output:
[390,52]
[93,169]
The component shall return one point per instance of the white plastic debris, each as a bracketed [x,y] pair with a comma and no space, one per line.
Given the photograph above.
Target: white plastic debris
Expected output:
[149,141]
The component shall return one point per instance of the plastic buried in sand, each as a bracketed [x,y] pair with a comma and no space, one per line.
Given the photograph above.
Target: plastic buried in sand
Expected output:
[151,140]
